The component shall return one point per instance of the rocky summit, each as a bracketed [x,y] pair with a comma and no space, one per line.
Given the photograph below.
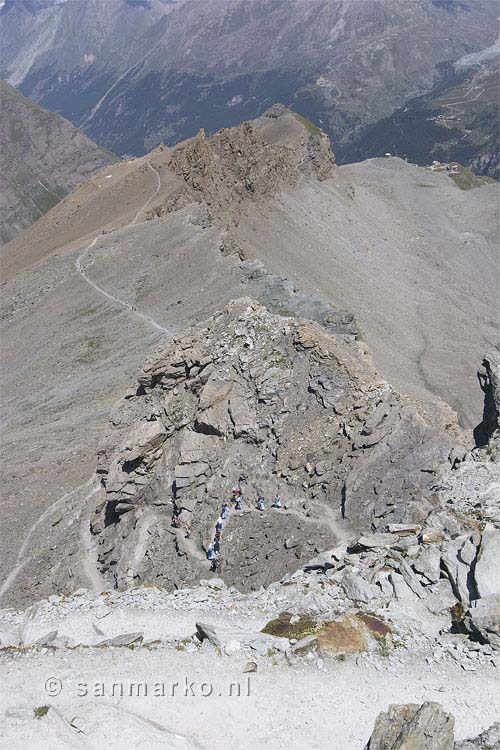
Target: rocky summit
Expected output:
[272,405]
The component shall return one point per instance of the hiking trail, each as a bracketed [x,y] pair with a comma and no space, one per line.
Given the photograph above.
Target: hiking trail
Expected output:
[113,298]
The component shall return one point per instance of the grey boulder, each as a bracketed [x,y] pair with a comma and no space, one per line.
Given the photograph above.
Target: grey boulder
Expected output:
[357,588]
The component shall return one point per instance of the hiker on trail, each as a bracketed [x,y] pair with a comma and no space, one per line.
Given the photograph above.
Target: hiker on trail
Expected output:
[238,502]
[220,524]
[261,503]
[235,494]
[224,512]
[216,545]
[277,501]
[211,552]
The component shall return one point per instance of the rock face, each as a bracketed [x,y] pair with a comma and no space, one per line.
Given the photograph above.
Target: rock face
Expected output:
[413,727]
[487,568]
[273,405]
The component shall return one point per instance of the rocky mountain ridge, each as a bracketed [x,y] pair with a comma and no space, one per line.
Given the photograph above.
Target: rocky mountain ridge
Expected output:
[139,258]
[252,161]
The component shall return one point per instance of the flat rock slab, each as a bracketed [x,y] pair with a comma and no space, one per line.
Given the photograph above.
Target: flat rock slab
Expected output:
[261,643]
[126,639]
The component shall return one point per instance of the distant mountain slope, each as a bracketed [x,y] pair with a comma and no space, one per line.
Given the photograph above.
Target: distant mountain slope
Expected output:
[131,74]
[43,156]
[457,121]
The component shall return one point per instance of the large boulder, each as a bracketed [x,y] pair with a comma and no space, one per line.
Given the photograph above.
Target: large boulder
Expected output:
[482,620]
[261,644]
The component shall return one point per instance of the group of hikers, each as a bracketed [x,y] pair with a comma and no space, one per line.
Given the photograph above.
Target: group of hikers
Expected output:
[213,551]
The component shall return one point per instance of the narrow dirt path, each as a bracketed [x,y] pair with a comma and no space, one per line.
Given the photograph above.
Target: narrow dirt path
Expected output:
[151,198]
[327,518]
[190,548]
[88,551]
[23,558]
[113,298]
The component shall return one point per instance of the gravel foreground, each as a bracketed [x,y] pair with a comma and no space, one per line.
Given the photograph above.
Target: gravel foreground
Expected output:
[165,688]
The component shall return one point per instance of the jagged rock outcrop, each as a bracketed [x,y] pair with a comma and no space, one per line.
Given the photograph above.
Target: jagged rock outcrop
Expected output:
[489,377]
[425,727]
[273,404]
[413,727]
[248,162]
